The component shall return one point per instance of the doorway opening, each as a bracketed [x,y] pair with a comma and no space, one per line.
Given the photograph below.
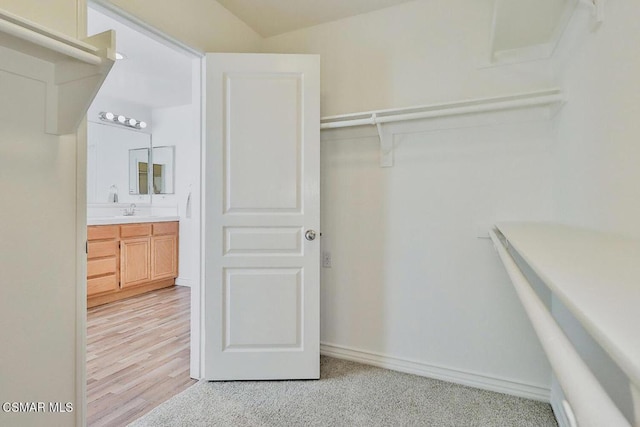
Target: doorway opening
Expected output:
[143,213]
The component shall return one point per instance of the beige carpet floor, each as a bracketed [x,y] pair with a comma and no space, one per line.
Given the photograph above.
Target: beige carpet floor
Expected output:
[348,394]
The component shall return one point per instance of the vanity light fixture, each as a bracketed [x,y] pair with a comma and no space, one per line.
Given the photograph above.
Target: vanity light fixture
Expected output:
[119,119]
[106,116]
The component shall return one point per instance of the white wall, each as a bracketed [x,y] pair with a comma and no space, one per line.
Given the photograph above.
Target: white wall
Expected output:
[598,155]
[179,126]
[416,53]
[410,280]
[97,187]
[42,185]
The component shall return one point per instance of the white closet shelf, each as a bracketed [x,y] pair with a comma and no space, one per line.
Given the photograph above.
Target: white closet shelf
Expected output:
[596,275]
[552,98]
[72,70]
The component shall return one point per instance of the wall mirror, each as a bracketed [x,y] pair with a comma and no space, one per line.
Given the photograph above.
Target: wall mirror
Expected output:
[139,171]
[163,169]
[123,167]
[116,159]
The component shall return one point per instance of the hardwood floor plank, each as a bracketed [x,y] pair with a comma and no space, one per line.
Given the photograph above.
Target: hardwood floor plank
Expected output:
[137,355]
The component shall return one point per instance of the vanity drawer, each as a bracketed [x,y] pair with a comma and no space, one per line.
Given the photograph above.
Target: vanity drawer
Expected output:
[165,228]
[102,249]
[102,284]
[102,232]
[135,230]
[99,267]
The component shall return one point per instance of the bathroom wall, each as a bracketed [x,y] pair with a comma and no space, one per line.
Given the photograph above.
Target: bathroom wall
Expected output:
[41,260]
[179,126]
[99,166]
[598,155]
[411,285]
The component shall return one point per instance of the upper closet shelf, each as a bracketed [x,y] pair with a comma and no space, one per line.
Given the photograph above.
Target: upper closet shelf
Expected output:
[72,70]
[596,275]
[549,97]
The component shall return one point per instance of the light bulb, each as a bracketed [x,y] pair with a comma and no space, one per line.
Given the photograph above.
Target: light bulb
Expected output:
[142,125]
[106,116]
[132,122]
[122,119]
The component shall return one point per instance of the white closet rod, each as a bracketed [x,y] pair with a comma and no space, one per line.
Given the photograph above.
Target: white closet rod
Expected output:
[440,110]
[591,405]
[25,33]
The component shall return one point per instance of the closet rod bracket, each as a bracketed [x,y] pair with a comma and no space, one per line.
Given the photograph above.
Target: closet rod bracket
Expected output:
[386,142]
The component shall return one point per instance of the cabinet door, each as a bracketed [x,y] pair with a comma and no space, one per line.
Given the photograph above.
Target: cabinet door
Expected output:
[164,257]
[135,263]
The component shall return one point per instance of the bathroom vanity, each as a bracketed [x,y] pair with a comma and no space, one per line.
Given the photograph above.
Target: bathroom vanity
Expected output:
[127,256]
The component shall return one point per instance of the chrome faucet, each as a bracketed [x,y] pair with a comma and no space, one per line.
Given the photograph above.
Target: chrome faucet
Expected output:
[131,210]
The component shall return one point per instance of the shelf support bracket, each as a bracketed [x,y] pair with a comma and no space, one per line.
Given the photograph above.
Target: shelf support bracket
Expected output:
[386,143]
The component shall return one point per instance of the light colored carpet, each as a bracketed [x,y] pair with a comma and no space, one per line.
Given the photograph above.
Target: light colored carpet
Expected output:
[348,394]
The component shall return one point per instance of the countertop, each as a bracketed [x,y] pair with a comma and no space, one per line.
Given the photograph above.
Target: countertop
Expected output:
[596,275]
[133,219]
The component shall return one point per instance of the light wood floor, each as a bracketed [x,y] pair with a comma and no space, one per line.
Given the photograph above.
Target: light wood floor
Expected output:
[137,355]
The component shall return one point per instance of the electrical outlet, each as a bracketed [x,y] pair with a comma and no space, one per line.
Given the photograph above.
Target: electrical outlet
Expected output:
[326,259]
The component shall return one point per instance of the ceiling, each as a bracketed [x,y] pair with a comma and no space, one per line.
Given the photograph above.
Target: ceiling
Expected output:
[273,17]
[152,75]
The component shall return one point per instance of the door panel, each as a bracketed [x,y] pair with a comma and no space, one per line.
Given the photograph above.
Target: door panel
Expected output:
[262,193]
[263,241]
[262,176]
[272,297]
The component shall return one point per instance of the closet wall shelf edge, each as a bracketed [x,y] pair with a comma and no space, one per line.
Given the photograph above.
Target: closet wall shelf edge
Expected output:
[72,70]
[551,98]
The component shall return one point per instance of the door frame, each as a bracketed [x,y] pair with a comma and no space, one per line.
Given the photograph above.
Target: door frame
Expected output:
[107,8]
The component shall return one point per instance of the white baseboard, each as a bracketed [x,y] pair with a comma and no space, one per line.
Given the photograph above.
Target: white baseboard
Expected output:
[445,374]
[183,282]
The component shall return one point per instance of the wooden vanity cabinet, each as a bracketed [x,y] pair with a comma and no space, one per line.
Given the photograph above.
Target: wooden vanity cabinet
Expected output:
[102,259]
[130,259]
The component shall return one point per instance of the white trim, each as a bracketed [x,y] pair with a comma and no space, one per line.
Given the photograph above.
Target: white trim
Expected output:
[417,367]
[197,370]
[80,406]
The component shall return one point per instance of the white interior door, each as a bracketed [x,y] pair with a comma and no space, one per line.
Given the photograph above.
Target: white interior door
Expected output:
[262,262]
